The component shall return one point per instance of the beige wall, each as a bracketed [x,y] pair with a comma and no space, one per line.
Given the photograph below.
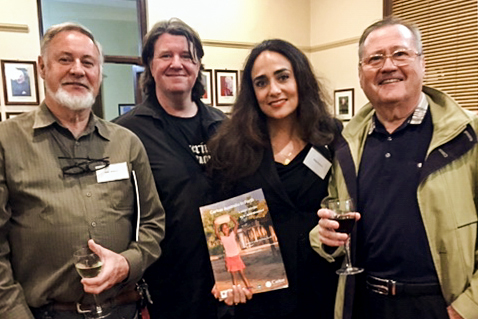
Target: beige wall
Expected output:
[224,24]
[313,25]
[334,24]
[238,20]
[24,45]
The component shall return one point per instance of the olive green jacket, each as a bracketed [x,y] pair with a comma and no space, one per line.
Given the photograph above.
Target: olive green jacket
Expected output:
[447,197]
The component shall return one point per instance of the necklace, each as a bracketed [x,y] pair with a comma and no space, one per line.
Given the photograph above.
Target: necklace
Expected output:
[286,155]
[287,159]
[286,145]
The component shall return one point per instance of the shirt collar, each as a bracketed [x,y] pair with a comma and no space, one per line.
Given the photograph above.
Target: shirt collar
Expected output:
[416,118]
[44,118]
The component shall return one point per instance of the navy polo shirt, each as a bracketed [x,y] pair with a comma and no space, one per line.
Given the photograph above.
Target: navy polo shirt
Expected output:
[391,241]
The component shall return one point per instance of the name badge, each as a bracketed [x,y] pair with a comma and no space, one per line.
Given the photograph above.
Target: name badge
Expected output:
[317,163]
[113,172]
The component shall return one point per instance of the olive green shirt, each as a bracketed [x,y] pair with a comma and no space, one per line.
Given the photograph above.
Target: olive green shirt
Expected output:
[46,215]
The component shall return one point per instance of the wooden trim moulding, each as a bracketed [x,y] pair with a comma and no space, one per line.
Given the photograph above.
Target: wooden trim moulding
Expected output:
[309,49]
[335,44]
[228,44]
[9,27]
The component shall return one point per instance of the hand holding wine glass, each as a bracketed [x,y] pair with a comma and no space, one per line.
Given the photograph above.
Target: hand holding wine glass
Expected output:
[88,264]
[344,215]
[115,269]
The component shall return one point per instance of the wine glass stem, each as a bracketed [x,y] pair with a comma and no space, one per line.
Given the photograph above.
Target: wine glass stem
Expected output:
[348,263]
[99,310]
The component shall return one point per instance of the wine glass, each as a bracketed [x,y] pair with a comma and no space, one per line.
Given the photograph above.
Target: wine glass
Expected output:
[343,209]
[88,265]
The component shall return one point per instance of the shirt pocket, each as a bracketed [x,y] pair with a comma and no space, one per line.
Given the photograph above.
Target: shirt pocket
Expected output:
[120,194]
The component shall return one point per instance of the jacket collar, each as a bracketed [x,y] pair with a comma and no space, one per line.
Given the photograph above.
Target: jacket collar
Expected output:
[416,118]
[449,119]
[445,127]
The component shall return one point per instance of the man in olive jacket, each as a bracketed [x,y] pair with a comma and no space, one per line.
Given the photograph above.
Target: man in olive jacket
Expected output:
[409,159]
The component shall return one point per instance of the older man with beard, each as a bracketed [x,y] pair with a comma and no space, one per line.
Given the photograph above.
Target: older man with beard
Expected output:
[69,179]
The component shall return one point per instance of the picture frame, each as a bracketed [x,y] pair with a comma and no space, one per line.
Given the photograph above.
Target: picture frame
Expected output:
[226,87]
[20,82]
[206,79]
[344,104]
[11,115]
[138,91]
[125,108]
[241,74]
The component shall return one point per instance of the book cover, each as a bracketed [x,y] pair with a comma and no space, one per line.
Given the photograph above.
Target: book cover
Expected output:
[243,245]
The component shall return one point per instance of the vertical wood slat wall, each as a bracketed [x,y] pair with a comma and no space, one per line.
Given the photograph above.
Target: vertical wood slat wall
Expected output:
[450,42]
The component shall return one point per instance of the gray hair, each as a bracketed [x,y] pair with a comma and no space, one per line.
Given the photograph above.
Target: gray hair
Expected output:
[68,26]
[389,21]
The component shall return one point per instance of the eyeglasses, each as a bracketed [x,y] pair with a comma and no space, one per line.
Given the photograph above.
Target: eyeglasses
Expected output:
[87,165]
[400,57]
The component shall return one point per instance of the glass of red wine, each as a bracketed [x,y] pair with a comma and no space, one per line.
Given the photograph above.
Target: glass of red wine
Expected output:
[344,215]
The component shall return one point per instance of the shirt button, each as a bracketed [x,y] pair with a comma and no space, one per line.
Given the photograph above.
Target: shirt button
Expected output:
[387,155]
[389,138]
[77,143]
[88,194]
[93,224]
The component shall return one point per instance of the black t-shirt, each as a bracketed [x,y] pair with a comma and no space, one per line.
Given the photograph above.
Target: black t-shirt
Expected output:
[180,282]
[191,130]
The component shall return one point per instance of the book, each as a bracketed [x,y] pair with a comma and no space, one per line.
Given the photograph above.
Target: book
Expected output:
[242,244]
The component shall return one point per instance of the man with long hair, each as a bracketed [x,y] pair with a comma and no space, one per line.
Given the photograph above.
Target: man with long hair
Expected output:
[174,126]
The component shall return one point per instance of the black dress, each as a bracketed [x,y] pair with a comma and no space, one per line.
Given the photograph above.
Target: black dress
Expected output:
[293,193]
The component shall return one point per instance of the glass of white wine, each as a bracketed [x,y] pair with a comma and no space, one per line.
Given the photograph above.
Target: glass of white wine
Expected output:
[88,264]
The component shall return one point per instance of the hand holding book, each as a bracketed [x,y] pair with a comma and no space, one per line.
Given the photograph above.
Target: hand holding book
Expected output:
[243,248]
[237,295]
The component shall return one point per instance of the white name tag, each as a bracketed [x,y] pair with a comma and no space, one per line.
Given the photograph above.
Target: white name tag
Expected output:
[317,163]
[113,172]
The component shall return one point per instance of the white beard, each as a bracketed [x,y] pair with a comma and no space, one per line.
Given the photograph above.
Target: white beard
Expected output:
[73,102]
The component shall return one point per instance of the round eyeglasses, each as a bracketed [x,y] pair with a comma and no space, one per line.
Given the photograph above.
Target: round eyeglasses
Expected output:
[400,57]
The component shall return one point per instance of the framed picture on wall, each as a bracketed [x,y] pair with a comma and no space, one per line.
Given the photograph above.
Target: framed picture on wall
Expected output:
[344,104]
[125,108]
[241,73]
[11,115]
[206,79]
[138,92]
[20,82]
[226,87]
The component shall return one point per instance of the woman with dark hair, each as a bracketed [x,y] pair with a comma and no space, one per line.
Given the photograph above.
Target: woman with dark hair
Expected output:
[280,127]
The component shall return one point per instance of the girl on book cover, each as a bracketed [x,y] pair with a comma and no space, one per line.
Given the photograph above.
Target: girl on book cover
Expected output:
[234,263]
